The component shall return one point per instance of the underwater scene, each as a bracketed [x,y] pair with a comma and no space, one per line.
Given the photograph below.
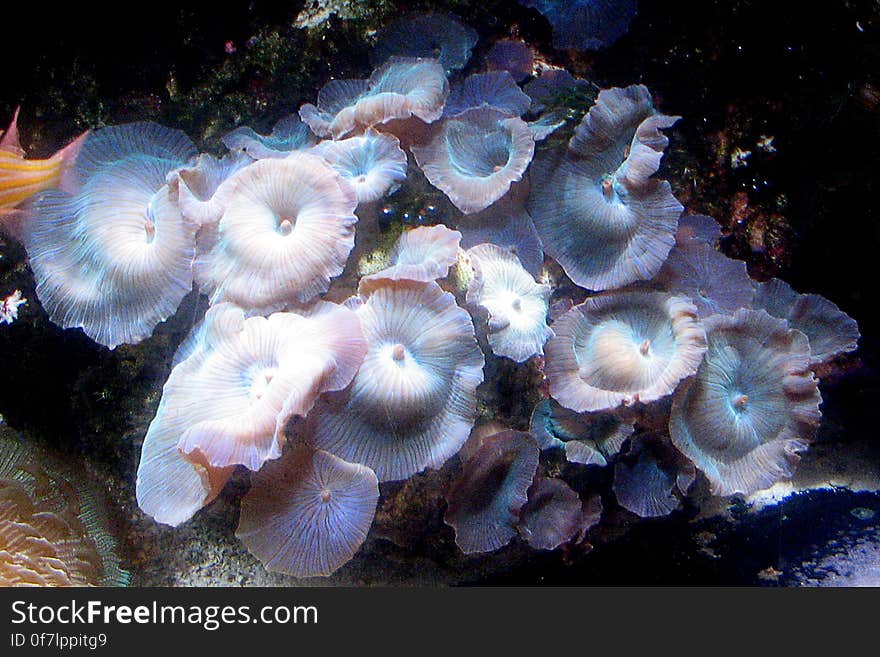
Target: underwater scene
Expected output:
[440,293]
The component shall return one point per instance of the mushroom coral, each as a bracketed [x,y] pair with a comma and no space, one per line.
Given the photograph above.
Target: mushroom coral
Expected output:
[714,282]
[227,403]
[513,56]
[586,24]
[431,34]
[275,232]
[495,89]
[475,156]
[373,163]
[622,348]
[752,406]
[507,224]
[289,134]
[54,530]
[587,438]
[413,402]
[598,210]
[420,254]
[517,305]
[307,513]
[650,476]
[552,515]
[484,503]
[830,330]
[401,88]
[130,263]
[697,228]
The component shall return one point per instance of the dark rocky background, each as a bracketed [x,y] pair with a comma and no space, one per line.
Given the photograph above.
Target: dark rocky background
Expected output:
[736,70]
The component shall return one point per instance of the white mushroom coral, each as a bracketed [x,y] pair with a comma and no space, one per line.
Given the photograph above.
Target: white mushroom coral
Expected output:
[621,348]
[517,305]
[421,254]
[284,228]
[115,257]
[412,404]
[229,401]
[373,163]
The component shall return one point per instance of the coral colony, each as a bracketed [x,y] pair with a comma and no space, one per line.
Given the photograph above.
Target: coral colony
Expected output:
[337,353]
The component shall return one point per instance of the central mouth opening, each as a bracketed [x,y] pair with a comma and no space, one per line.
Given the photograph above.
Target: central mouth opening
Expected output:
[286,225]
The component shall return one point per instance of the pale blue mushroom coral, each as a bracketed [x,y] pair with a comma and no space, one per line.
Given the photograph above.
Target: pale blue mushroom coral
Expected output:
[484,503]
[115,256]
[586,438]
[289,134]
[599,209]
[586,24]
[308,513]
[752,406]
[831,331]
[651,477]
[475,156]
[431,35]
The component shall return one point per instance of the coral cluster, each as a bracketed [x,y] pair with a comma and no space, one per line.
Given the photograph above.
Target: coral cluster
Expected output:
[322,394]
